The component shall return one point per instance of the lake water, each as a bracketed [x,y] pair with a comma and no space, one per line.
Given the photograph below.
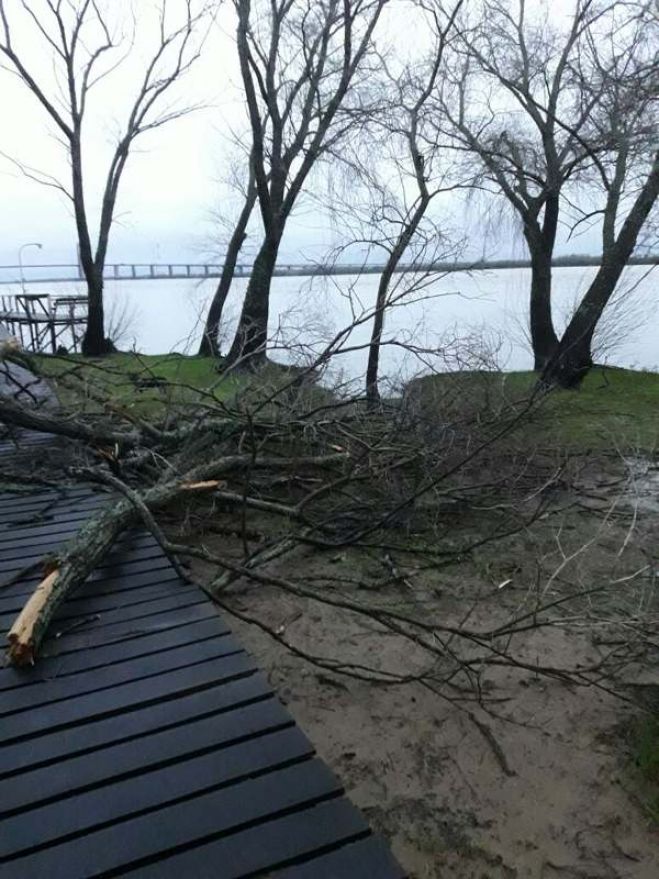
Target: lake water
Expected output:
[459,321]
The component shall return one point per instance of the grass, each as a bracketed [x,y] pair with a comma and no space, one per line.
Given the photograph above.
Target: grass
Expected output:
[152,386]
[645,749]
[614,408]
[145,384]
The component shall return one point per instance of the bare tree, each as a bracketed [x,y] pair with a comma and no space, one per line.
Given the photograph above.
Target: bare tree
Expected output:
[298,62]
[521,111]
[240,169]
[82,38]
[412,125]
[209,345]
[621,64]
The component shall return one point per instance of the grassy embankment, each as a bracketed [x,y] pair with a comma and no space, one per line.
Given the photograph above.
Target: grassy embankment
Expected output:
[145,385]
[615,408]
[645,750]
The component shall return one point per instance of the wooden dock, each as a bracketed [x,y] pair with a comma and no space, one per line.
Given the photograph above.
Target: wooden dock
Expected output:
[146,742]
[43,323]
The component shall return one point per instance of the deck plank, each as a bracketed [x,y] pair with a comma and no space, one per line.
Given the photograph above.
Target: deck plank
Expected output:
[152,790]
[103,766]
[205,701]
[267,847]
[209,815]
[145,741]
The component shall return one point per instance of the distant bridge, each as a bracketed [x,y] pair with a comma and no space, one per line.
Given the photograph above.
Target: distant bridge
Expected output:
[53,273]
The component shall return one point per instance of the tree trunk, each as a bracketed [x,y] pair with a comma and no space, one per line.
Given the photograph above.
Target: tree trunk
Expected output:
[209,346]
[573,358]
[543,336]
[373,365]
[83,553]
[250,342]
[94,343]
[540,240]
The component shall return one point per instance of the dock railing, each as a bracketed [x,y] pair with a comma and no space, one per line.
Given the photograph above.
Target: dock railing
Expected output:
[44,323]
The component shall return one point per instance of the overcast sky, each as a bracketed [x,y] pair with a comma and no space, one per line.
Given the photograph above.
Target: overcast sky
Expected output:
[173,182]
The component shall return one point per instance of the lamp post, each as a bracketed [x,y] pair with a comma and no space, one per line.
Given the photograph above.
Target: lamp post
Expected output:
[20,259]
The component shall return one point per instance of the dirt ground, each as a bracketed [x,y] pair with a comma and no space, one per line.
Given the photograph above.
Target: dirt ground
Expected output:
[539,786]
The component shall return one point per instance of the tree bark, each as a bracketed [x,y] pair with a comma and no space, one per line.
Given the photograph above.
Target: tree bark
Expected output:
[540,241]
[250,342]
[209,346]
[544,340]
[373,365]
[95,343]
[44,421]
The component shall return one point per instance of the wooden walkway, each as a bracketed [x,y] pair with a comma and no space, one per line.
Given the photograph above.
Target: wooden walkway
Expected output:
[145,742]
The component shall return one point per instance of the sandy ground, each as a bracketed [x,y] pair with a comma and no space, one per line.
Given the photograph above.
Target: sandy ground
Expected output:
[427,778]
[541,786]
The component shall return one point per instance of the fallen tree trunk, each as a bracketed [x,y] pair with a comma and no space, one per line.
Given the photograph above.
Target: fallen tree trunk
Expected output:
[96,538]
[57,425]
[92,543]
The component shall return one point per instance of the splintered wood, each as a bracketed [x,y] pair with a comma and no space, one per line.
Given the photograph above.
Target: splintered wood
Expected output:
[207,485]
[21,636]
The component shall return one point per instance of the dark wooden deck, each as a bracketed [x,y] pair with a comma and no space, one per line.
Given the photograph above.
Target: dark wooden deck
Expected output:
[146,741]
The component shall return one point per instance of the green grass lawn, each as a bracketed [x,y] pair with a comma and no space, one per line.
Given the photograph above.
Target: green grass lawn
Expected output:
[144,384]
[613,407]
[645,753]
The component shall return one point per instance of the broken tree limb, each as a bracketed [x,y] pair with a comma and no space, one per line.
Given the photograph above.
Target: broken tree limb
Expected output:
[98,535]
[21,632]
[92,543]
[59,425]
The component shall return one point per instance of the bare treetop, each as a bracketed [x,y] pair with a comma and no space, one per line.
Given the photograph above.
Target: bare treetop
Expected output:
[516,103]
[621,66]
[300,64]
[86,42]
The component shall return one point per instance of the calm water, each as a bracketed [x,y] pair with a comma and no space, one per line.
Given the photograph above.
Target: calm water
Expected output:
[459,321]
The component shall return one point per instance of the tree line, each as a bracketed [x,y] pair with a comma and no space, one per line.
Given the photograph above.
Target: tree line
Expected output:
[551,115]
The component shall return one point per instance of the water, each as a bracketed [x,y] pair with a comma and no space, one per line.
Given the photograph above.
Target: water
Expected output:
[459,321]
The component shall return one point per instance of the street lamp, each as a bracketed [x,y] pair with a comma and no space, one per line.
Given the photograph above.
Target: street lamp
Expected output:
[20,259]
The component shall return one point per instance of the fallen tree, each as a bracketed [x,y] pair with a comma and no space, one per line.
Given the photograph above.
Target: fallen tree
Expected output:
[289,471]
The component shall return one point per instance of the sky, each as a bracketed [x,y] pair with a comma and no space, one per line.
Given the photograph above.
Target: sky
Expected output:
[173,186]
